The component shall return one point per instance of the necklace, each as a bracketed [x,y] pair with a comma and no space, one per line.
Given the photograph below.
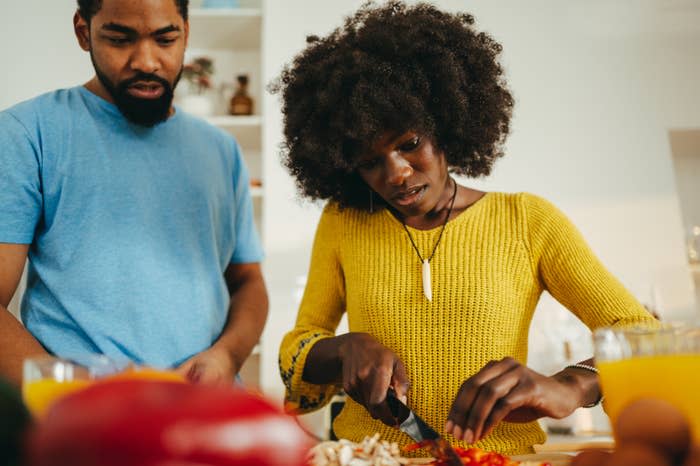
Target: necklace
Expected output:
[425,263]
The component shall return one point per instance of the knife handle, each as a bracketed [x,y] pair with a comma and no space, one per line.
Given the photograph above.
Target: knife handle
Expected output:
[398,409]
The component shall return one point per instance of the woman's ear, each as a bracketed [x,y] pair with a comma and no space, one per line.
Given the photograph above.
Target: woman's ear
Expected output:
[82,31]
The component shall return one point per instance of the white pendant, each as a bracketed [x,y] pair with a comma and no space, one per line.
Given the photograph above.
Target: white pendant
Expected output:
[427,288]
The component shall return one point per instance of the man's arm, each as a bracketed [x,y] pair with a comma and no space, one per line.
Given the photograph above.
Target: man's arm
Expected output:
[245,323]
[16,343]
[247,312]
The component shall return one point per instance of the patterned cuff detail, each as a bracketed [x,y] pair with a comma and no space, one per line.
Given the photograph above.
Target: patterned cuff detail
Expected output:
[302,397]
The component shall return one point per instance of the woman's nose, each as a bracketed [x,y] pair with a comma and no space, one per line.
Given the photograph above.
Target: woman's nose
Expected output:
[397,170]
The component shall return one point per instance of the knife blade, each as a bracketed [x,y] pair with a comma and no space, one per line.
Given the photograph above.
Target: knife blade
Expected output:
[412,425]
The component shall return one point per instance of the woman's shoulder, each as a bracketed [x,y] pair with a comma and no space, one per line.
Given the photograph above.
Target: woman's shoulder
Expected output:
[522,200]
[345,214]
[337,215]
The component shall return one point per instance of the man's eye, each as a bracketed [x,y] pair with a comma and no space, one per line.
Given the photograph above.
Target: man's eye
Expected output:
[118,40]
[166,40]
[410,145]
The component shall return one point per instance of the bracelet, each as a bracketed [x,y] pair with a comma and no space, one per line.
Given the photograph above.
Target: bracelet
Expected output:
[582,366]
[589,368]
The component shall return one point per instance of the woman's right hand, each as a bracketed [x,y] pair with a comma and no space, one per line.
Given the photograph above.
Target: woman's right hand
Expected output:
[369,369]
[365,367]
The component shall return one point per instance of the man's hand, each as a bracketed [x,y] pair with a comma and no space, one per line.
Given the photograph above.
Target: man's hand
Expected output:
[246,318]
[214,366]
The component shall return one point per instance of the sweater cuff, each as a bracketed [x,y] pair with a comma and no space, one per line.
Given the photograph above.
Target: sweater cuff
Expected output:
[300,396]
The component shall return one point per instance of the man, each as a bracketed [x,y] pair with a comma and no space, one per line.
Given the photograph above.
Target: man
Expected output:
[136,218]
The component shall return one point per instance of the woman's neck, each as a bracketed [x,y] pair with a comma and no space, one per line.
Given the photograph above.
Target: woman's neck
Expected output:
[464,198]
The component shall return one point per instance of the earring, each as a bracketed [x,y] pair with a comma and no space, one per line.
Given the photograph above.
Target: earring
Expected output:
[371,201]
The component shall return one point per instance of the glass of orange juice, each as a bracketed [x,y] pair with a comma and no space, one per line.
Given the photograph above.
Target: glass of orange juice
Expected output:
[45,379]
[661,363]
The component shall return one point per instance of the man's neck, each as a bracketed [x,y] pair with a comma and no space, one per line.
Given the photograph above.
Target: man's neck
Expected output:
[96,87]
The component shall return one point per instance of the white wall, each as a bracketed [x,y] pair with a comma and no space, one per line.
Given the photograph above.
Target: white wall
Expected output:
[39,52]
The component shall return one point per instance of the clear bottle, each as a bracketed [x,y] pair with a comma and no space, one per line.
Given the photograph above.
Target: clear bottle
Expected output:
[241,103]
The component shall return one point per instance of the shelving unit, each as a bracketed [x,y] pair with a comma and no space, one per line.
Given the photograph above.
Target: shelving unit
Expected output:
[225,28]
[232,39]
[230,121]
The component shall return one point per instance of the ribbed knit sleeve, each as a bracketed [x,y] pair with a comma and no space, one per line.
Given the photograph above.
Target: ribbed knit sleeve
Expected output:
[571,272]
[321,309]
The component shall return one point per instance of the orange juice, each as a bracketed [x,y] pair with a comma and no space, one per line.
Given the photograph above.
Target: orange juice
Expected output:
[671,377]
[40,394]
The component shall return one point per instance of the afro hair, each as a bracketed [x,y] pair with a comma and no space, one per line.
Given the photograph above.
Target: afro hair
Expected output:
[391,68]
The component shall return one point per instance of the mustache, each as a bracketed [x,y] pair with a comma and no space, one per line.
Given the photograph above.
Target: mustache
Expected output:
[140,76]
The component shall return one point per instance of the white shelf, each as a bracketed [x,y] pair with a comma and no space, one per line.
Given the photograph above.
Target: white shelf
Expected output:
[234,29]
[228,121]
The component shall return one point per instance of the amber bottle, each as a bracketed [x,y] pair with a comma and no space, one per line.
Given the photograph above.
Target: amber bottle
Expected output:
[241,103]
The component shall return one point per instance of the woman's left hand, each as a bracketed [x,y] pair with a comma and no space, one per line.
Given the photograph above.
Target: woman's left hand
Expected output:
[506,390]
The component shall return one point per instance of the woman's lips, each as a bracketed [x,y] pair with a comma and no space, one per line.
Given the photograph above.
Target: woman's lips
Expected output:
[146,90]
[409,197]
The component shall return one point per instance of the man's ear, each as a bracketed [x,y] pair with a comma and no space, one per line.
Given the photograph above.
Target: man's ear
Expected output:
[187,32]
[82,31]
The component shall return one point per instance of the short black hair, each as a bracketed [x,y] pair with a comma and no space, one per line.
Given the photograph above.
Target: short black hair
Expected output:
[89,8]
[391,68]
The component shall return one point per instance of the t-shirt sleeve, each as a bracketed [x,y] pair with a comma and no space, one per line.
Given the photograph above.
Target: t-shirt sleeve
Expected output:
[248,247]
[321,309]
[572,273]
[20,182]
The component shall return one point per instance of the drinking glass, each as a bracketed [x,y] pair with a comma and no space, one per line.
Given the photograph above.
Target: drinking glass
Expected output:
[662,363]
[45,379]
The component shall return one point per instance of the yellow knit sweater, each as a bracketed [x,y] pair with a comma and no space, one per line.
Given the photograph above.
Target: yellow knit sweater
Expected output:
[493,262]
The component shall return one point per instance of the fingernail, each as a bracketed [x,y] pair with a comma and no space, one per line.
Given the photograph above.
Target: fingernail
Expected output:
[448,426]
[468,436]
[457,432]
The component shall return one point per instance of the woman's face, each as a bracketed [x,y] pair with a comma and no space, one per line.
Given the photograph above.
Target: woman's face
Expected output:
[408,171]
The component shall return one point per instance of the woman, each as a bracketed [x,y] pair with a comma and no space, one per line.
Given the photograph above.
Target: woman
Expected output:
[439,281]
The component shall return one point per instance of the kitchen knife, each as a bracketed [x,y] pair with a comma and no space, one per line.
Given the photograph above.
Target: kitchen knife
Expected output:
[412,425]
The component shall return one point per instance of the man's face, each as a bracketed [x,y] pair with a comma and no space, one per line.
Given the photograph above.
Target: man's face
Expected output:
[137,48]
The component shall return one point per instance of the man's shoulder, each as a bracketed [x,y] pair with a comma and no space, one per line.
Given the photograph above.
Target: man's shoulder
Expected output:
[204,128]
[56,102]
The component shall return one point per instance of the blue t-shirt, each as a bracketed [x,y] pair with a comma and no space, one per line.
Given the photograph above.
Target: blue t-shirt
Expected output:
[131,228]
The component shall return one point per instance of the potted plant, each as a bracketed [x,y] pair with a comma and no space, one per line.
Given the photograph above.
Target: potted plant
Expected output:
[197,75]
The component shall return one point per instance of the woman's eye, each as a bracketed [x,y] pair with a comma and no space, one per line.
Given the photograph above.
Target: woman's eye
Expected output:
[410,145]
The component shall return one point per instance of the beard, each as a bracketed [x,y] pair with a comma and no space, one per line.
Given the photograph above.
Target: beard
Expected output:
[143,112]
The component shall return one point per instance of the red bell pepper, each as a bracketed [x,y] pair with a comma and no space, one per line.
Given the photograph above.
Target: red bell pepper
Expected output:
[157,423]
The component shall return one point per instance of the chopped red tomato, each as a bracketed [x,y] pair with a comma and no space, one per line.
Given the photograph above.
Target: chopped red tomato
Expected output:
[469,456]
